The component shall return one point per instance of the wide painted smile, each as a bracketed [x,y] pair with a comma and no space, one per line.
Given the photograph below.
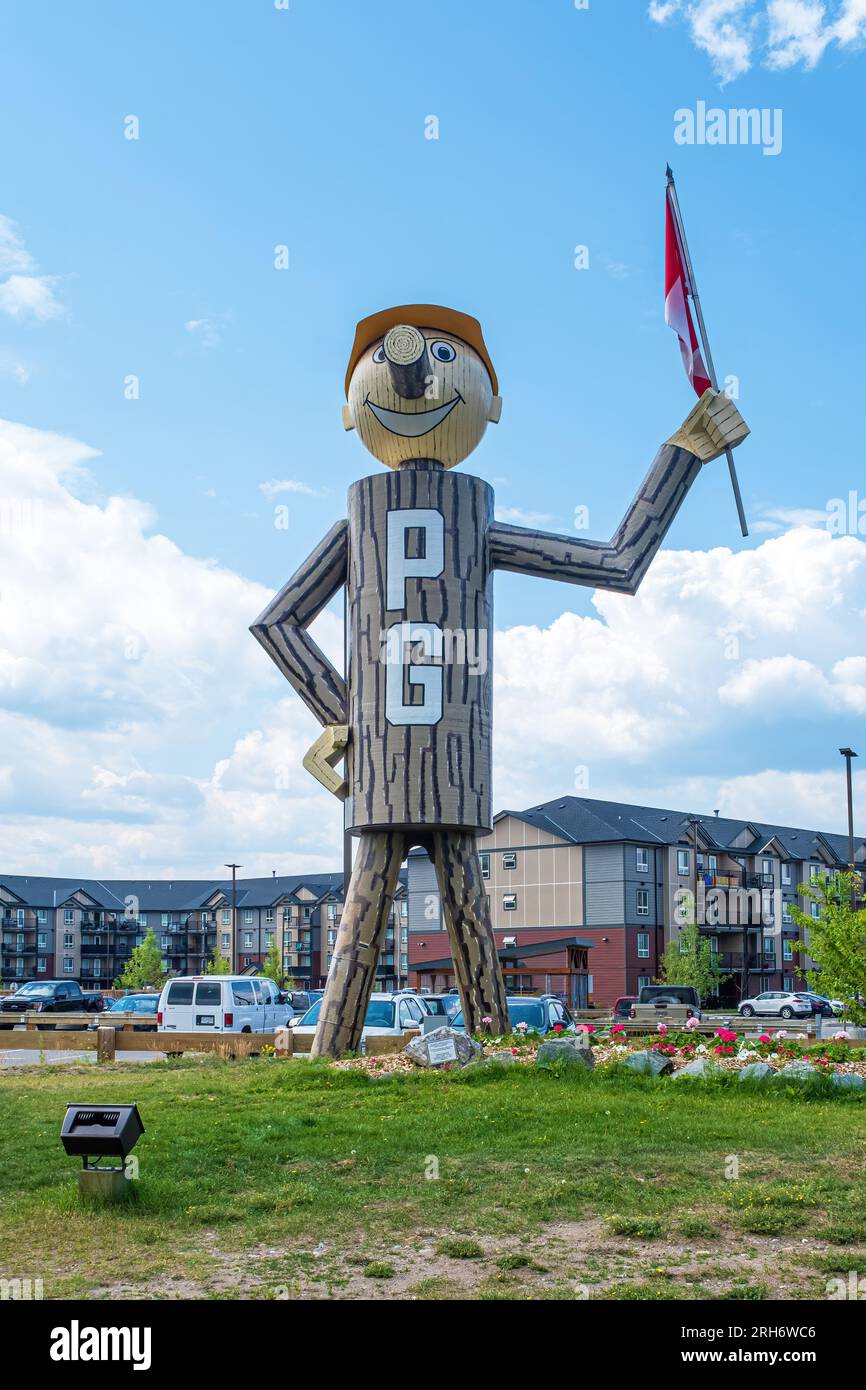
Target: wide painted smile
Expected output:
[412,426]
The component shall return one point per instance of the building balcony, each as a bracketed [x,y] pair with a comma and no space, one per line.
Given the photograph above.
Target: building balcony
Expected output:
[28,949]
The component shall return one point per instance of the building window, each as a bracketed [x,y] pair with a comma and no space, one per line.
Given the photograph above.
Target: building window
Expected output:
[509,902]
[787,950]
[767,868]
[269,915]
[509,860]
[816,909]
[225,941]
[769,947]
[41,965]
[485,865]
[248,916]
[683,862]
[642,860]
[248,941]
[68,917]
[307,913]
[226,916]
[643,945]
[42,940]
[814,872]
[332,912]
[714,864]
[164,943]
[164,919]
[332,938]
[269,939]
[786,875]
[68,941]
[682,946]
[786,912]
[642,982]
[643,902]
[68,965]
[714,945]
[41,915]
[788,983]
[404,963]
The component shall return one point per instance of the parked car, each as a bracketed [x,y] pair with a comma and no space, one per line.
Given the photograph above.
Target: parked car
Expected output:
[821,1006]
[777,1003]
[671,1004]
[543,1014]
[622,1008]
[300,1001]
[388,1015]
[222,1004]
[120,1009]
[46,997]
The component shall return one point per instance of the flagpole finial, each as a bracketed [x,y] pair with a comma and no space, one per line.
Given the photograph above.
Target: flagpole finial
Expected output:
[670,173]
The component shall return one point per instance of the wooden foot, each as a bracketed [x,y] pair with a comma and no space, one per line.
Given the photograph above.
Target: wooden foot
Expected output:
[470,931]
[359,940]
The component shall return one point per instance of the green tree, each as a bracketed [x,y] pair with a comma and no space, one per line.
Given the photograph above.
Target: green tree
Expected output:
[689,959]
[144,968]
[218,964]
[273,966]
[837,939]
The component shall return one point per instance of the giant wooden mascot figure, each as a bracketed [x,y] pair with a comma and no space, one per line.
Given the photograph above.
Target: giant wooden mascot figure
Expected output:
[418,553]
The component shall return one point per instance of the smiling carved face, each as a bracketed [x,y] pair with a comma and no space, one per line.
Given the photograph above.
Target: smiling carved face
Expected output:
[420,393]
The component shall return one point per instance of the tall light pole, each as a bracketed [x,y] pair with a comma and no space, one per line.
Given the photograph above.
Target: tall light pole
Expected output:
[848,754]
[234,868]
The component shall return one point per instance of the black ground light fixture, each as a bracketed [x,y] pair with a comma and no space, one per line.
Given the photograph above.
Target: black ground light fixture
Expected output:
[101,1131]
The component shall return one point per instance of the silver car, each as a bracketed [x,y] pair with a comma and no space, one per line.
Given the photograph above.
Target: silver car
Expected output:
[777,1003]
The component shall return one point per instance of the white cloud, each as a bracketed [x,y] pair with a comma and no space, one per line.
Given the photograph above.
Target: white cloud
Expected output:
[275,487]
[516,516]
[775,519]
[24,294]
[206,331]
[779,33]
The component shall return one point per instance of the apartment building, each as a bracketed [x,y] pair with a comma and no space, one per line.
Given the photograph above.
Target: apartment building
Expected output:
[576,880]
[86,929]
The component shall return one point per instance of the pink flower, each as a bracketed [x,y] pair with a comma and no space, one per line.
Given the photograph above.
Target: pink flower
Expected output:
[726,1034]
[765,1038]
[487,1019]
[780,1033]
[840,1036]
[662,1028]
[693,1022]
[617,1028]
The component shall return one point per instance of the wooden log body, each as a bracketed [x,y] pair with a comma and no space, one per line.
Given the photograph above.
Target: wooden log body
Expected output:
[419,715]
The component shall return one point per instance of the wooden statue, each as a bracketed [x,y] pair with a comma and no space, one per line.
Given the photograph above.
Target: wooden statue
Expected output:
[417,554]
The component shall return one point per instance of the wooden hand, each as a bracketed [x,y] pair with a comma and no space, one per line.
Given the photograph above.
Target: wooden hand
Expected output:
[327,750]
[714,426]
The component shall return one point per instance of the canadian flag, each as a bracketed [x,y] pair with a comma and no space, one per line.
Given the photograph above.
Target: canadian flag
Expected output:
[678,314]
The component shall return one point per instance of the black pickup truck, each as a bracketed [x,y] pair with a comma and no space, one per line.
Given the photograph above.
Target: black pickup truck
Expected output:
[47,997]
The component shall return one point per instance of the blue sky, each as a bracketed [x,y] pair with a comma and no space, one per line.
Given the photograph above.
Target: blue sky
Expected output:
[261,127]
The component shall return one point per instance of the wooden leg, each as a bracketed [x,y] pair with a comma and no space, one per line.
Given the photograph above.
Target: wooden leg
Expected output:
[359,940]
[470,931]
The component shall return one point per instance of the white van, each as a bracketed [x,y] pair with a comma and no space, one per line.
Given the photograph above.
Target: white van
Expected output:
[221,1004]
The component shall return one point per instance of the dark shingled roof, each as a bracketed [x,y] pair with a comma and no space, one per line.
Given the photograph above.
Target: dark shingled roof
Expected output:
[170,895]
[583,820]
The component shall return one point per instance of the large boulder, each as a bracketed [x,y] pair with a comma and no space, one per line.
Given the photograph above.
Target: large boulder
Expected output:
[701,1068]
[564,1050]
[444,1047]
[850,1080]
[799,1070]
[757,1071]
[649,1063]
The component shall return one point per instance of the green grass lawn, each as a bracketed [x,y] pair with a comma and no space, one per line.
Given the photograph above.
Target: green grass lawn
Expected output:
[285,1179]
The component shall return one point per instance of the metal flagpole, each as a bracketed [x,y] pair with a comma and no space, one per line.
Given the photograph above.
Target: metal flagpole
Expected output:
[692,290]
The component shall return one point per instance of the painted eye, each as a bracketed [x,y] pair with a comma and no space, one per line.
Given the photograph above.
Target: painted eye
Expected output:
[443,352]
[379,354]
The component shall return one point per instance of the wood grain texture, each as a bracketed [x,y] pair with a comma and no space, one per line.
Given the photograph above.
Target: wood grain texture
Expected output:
[431,774]
[359,941]
[470,932]
[620,565]
[281,627]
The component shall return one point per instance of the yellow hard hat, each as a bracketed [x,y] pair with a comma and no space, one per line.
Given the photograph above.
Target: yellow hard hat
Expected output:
[420,316]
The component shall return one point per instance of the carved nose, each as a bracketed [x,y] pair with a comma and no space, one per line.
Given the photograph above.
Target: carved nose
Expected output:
[406,355]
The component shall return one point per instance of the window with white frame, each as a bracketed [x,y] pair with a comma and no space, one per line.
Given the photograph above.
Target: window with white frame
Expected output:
[41,915]
[68,916]
[787,950]
[226,916]
[164,943]
[269,915]
[68,965]
[269,939]
[767,868]
[642,982]
[332,912]
[786,912]
[509,859]
[509,902]
[41,965]
[815,909]
[225,941]
[714,945]
[714,864]
[643,945]
[643,902]
[248,916]
[164,919]
[642,860]
[788,983]
[68,941]
[41,940]
[485,865]
[786,875]
[307,913]
[248,940]
[684,860]
[769,946]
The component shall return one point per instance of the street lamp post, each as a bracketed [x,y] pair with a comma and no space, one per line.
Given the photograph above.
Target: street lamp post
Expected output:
[234,947]
[848,754]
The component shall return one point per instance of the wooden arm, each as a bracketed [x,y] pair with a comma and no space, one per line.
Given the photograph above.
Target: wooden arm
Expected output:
[620,565]
[281,628]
